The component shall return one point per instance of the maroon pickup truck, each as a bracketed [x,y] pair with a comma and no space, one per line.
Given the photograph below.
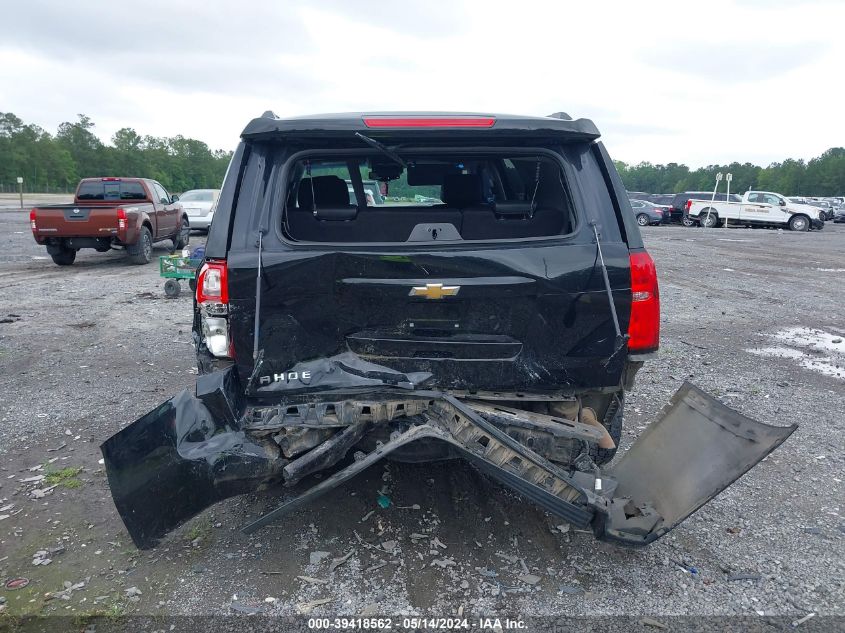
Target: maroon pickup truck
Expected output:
[111,213]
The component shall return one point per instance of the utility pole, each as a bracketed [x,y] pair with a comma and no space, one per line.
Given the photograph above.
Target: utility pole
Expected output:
[20,189]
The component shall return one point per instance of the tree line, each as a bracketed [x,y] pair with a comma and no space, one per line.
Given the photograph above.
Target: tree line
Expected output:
[820,176]
[55,163]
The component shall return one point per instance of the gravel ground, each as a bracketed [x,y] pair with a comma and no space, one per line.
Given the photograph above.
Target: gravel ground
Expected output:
[752,316]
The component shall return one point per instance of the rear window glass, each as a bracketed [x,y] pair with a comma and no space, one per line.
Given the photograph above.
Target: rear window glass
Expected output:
[111,190]
[426,197]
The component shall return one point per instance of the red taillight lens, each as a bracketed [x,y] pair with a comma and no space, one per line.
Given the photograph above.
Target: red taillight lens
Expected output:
[644,326]
[32,224]
[212,283]
[688,205]
[121,219]
[431,121]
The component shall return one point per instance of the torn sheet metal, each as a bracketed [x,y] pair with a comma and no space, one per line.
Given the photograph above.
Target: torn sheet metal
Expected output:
[451,421]
[695,450]
[176,461]
[193,451]
[342,371]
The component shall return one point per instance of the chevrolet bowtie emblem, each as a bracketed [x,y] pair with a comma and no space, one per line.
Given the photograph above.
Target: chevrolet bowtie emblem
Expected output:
[434,291]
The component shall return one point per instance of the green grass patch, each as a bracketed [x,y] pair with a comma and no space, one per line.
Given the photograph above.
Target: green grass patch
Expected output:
[199,531]
[111,612]
[66,477]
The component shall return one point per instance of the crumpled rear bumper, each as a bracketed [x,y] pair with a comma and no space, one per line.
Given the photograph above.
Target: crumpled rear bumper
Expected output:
[180,458]
[192,451]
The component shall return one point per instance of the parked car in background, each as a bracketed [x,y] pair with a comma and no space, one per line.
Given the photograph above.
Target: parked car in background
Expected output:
[825,206]
[836,204]
[647,212]
[200,204]
[111,213]
[757,208]
[824,213]
[662,199]
[839,216]
[679,203]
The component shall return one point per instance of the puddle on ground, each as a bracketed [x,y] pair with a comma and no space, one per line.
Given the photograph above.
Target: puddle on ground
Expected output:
[812,348]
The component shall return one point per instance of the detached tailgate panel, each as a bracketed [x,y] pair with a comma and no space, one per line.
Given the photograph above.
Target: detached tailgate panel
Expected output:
[693,452]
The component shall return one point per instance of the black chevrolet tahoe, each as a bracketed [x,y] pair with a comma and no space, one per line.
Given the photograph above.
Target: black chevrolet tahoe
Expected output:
[494,303]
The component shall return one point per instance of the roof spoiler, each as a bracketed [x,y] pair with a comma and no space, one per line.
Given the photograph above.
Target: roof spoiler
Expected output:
[559,125]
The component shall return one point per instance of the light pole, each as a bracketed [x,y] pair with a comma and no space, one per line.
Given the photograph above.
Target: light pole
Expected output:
[713,199]
[728,178]
[20,190]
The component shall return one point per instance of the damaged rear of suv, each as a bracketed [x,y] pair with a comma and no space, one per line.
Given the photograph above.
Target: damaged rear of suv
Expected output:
[493,305]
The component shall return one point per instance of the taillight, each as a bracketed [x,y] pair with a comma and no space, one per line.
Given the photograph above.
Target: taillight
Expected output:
[688,205]
[213,301]
[212,283]
[644,326]
[121,219]
[32,223]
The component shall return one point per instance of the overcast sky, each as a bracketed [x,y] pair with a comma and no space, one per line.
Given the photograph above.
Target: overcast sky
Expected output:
[747,80]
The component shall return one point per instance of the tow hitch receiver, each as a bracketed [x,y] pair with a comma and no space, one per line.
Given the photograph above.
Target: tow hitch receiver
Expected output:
[191,452]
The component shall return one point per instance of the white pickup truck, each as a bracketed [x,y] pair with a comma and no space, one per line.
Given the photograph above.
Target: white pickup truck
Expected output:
[757,208]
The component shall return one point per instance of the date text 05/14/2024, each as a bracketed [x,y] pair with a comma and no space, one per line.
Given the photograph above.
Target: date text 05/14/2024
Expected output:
[416,623]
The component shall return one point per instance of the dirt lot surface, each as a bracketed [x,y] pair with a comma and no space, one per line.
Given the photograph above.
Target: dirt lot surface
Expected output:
[12,200]
[753,316]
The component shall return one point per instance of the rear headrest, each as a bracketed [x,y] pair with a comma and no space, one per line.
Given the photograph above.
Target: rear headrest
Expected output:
[349,212]
[329,191]
[462,190]
[513,208]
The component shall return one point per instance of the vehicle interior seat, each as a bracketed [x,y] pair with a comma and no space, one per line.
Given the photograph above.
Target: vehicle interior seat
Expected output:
[463,191]
[326,197]
[513,219]
[327,216]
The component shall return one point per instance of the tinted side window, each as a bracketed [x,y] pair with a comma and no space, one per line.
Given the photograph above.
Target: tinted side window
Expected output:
[160,193]
[595,189]
[132,191]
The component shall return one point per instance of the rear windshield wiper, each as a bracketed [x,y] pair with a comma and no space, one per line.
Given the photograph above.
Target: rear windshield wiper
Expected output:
[384,149]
